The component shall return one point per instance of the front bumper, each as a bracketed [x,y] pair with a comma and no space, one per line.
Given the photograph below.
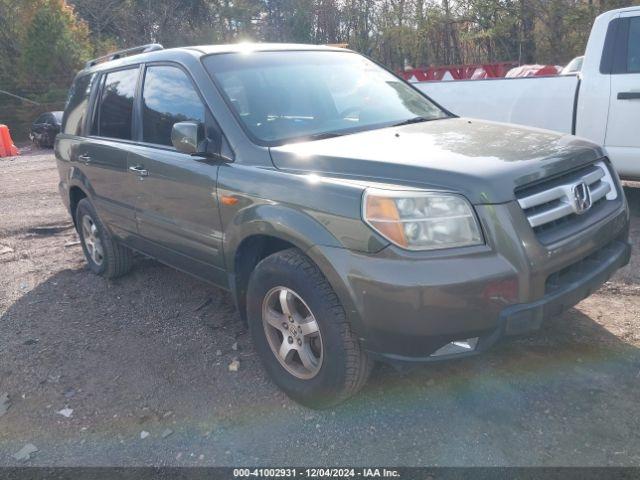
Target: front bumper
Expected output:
[407,306]
[567,288]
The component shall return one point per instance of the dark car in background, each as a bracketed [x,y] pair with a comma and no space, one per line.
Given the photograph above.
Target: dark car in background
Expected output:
[44,130]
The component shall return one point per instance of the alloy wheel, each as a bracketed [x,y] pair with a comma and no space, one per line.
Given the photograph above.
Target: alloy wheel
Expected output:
[292,332]
[92,240]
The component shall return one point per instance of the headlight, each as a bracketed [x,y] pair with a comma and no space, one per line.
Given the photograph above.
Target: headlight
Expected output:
[421,220]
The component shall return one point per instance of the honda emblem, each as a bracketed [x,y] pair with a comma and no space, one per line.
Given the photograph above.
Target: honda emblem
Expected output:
[581,198]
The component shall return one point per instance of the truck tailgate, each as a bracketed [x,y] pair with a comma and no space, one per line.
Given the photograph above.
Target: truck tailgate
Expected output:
[544,102]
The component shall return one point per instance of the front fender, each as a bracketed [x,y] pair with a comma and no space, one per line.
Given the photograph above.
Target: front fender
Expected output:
[279,221]
[298,229]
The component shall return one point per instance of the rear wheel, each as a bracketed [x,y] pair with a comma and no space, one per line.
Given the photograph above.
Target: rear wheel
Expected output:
[301,333]
[105,256]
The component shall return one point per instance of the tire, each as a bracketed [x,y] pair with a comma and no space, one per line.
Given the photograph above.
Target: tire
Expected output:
[339,366]
[105,256]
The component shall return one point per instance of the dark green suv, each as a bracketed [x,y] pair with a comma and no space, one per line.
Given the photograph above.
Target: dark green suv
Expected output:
[352,218]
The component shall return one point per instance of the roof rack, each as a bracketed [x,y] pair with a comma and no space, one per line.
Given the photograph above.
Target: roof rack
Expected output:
[151,47]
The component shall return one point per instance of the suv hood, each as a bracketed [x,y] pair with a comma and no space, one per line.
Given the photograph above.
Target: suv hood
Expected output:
[485,161]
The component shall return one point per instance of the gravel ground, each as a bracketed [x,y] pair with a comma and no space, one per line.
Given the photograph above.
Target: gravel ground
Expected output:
[147,356]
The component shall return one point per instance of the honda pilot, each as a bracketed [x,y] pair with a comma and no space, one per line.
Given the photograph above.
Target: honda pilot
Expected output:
[352,218]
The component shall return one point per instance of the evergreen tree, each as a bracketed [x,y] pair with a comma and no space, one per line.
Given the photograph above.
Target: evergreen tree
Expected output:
[53,45]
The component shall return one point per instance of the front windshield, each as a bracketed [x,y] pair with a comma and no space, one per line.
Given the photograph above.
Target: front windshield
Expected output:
[286,95]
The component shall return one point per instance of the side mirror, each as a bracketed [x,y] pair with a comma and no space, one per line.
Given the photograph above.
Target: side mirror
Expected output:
[188,137]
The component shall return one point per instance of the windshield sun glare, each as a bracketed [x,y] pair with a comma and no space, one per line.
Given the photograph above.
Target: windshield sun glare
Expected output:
[285,96]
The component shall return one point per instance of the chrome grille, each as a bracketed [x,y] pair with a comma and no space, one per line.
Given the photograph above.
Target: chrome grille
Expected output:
[552,203]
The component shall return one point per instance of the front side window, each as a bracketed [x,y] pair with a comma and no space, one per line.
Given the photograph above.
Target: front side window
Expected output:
[115,108]
[285,95]
[633,49]
[168,97]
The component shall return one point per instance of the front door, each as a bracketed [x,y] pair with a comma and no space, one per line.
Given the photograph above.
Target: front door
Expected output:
[623,137]
[176,209]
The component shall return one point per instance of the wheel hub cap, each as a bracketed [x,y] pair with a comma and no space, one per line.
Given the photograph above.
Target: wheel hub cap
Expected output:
[92,240]
[292,332]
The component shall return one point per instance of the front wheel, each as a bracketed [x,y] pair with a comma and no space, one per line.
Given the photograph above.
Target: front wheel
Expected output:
[301,333]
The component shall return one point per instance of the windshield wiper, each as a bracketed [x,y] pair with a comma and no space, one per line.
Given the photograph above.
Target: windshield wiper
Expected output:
[322,136]
[412,120]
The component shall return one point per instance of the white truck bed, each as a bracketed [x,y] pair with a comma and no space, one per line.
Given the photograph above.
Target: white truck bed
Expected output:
[544,102]
[605,101]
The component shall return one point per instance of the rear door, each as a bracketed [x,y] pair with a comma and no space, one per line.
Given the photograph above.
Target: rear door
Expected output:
[623,134]
[103,158]
[177,208]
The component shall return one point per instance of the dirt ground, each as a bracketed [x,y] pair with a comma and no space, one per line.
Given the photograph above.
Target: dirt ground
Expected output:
[143,364]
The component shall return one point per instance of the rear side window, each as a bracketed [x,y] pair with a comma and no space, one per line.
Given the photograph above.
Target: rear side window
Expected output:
[77,103]
[168,97]
[633,47]
[115,107]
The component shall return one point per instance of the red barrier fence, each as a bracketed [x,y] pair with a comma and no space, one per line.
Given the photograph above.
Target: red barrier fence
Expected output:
[476,71]
[459,72]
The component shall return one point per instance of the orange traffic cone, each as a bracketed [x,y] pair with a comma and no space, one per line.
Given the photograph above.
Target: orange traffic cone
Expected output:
[7,148]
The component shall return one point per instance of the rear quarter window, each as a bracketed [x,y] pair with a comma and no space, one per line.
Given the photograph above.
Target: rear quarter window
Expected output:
[77,104]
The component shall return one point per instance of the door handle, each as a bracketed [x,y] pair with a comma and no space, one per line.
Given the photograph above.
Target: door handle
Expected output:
[85,158]
[139,170]
[629,96]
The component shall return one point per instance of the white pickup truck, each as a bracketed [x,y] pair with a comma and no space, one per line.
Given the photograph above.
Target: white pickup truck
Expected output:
[601,103]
